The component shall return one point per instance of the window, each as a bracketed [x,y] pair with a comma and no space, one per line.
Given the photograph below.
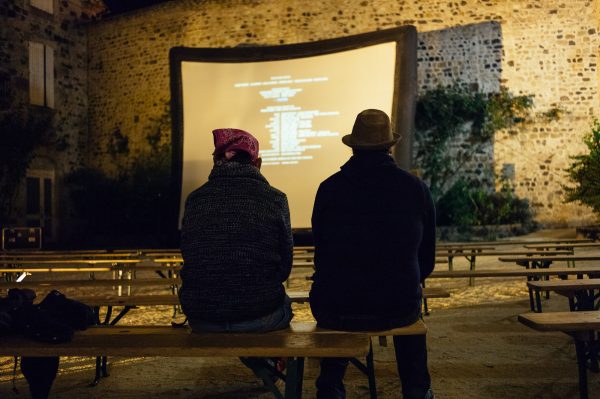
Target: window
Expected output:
[44,5]
[39,197]
[41,74]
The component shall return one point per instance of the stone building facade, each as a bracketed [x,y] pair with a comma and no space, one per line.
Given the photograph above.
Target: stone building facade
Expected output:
[57,29]
[112,74]
[544,48]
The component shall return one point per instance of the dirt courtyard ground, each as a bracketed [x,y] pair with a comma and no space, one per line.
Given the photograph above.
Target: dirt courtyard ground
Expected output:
[477,349]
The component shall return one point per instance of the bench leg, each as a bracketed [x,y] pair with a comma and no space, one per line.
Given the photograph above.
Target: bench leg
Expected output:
[582,368]
[538,302]
[371,373]
[368,370]
[294,377]
[471,268]
[425,307]
[98,372]
[531,301]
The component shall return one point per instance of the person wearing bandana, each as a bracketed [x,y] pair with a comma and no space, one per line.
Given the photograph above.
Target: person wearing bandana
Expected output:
[236,243]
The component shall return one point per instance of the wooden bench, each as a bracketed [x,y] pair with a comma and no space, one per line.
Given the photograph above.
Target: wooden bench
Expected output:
[570,247]
[539,260]
[299,341]
[9,268]
[582,326]
[472,256]
[510,242]
[582,293]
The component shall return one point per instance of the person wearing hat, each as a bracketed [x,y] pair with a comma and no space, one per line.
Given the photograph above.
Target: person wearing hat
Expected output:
[374,230]
[236,243]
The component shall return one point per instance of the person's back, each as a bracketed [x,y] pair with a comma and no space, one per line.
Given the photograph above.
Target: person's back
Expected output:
[374,232]
[372,228]
[235,246]
[236,242]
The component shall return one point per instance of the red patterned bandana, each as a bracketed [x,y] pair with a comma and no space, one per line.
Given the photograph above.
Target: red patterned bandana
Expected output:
[229,141]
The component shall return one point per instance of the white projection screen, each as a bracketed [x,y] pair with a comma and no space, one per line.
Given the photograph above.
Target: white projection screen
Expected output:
[297,100]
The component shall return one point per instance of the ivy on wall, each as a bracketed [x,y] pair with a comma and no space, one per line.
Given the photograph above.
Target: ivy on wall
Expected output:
[443,114]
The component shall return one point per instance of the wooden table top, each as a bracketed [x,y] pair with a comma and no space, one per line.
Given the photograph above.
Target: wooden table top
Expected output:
[512,242]
[151,299]
[574,245]
[57,269]
[562,321]
[512,253]
[34,262]
[62,284]
[65,257]
[566,285]
[516,272]
[558,258]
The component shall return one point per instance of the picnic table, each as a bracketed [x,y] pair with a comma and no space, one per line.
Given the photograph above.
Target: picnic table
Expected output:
[582,326]
[583,294]
[530,274]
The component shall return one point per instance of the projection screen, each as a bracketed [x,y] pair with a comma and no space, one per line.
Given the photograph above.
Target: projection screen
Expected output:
[297,100]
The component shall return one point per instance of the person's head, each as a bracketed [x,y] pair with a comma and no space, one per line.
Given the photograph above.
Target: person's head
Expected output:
[235,145]
[372,131]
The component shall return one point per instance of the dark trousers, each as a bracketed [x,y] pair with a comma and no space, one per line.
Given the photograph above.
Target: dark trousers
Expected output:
[40,373]
[411,360]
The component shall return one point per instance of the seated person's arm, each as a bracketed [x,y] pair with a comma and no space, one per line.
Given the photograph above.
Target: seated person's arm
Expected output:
[427,248]
[286,242]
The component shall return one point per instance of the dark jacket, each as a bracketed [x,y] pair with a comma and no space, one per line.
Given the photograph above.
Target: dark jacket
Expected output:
[374,231]
[236,243]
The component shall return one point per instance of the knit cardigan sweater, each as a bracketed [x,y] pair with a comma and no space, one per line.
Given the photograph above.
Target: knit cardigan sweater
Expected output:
[236,242]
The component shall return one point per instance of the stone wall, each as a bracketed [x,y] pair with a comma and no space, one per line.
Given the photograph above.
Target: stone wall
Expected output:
[64,32]
[547,49]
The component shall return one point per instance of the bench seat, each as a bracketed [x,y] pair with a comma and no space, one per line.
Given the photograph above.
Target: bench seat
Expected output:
[299,340]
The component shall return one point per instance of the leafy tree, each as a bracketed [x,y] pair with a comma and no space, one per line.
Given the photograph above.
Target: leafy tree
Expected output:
[132,207]
[584,173]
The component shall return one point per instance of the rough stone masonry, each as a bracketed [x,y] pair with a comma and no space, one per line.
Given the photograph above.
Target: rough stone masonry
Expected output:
[543,48]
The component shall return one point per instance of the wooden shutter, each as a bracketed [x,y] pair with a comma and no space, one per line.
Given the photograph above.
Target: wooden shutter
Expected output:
[36,73]
[49,77]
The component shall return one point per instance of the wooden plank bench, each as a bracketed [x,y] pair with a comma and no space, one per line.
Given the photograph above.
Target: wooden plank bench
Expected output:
[572,246]
[582,326]
[299,341]
[47,285]
[510,242]
[540,260]
[472,256]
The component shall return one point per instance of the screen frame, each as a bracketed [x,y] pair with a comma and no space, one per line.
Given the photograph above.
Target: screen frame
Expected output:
[403,104]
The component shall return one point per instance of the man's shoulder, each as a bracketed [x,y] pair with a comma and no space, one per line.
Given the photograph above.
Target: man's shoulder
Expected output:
[408,177]
[333,179]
